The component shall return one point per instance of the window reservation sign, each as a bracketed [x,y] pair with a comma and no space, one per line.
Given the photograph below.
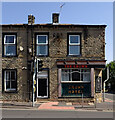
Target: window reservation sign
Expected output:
[76,89]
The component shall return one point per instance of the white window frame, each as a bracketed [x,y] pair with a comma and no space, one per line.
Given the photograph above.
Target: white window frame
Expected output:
[74,44]
[40,44]
[75,81]
[9,43]
[5,44]
[10,89]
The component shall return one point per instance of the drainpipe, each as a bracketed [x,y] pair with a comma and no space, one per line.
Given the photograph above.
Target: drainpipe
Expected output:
[33,75]
[104,84]
[28,78]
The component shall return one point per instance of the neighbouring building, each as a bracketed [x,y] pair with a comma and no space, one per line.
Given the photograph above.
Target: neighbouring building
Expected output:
[72,55]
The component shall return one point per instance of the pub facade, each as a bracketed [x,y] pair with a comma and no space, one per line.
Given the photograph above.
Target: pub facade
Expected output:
[72,58]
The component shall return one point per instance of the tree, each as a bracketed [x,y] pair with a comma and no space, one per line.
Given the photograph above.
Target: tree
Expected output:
[111,80]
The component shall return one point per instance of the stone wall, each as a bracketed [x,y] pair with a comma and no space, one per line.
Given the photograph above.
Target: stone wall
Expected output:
[92,48]
[93,42]
[19,63]
[98,96]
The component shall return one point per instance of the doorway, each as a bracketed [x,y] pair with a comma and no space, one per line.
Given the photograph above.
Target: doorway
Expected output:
[42,84]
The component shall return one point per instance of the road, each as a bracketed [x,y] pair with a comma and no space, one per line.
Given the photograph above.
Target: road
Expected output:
[55,114]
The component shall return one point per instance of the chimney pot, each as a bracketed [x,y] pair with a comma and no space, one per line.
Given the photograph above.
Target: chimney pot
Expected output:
[31,19]
[55,17]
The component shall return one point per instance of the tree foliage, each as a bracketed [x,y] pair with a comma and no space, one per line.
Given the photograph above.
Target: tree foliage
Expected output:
[111,80]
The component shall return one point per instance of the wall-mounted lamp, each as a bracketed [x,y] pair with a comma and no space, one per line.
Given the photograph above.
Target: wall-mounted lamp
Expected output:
[30,50]
[21,48]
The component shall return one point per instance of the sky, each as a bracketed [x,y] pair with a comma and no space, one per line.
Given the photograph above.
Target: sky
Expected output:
[97,13]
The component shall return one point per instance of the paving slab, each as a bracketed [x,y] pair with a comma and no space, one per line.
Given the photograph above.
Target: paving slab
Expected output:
[62,104]
[50,106]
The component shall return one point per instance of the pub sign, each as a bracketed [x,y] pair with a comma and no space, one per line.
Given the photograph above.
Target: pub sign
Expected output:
[76,89]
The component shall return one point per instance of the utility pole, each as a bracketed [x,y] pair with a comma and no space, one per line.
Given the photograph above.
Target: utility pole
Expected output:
[104,84]
[33,91]
[34,79]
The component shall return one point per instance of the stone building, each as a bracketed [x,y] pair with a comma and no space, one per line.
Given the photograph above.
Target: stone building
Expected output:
[72,55]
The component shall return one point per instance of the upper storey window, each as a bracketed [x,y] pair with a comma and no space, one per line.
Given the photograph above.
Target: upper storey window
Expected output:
[10,45]
[42,45]
[74,44]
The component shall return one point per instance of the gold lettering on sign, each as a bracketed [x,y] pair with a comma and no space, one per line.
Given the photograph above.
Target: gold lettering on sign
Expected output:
[78,87]
[72,91]
[75,87]
[69,91]
[76,91]
[72,87]
[69,87]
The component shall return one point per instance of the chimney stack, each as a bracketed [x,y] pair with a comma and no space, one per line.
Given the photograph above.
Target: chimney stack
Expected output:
[55,17]
[31,19]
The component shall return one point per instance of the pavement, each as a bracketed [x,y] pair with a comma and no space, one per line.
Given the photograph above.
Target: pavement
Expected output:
[60,106]
[104,106]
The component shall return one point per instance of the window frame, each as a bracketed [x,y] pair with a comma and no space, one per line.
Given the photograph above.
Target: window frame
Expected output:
[10,43]
[70,76]
[40,44]
[4,80]
[4,44]
[73,44]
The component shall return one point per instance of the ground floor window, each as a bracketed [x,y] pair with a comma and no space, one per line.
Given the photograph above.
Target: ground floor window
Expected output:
[75,75]
[10,82]
[75,82]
